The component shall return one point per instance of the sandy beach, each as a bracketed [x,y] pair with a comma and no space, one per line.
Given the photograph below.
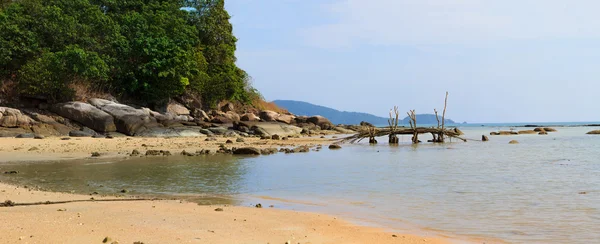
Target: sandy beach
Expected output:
[161,221]
[54,148]
[168,221]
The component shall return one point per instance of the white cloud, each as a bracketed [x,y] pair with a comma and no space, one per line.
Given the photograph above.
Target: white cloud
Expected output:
[400,22]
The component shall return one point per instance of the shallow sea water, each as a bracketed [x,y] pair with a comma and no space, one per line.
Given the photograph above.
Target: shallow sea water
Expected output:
[546,189]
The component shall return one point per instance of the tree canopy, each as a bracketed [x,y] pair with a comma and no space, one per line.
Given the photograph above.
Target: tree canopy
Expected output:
[149,50]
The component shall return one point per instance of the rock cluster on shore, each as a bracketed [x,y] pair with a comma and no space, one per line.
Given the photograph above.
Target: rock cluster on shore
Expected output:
[538,130]
[107,118]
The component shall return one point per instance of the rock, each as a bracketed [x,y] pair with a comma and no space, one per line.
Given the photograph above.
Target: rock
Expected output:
[210,139]
[494,133]
[184,153]
[301,149]
[218,209]
[364,123]
[218,130]
[128,120]
[219,119]
[25,135]
[268,115]
[527,132]
[538,129]
[266,137]
[286,118]
[157,153]
[200,114]
[249,117]
[504,133]
[547,129]
[239,139]
[78,133]
[246,151]
[513,142]
[228,107]
[95,154]
[206,132]
[106,239]
[232,116]
[275,137]
[272,128]
[335,146]
[229,142]
[230,133]
[38,137]
[87,115]
[594,132]
[268,151]
[484,138]
[321,121]
[12,172]
[543,133]
[170,132]
[33,149]
[134,153]
[258,205]
[176,108]
[12,118]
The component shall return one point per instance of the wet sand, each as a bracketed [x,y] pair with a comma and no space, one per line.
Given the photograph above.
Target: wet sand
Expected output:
[168,221]
[161,221]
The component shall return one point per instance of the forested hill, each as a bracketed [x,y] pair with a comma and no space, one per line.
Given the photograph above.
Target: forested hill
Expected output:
[147,50]
[352,118]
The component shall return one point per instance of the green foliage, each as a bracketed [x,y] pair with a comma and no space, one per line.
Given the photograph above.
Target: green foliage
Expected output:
[147,49]
[52,74]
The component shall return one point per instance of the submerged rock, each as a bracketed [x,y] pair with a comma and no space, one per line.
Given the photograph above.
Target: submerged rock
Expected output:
[513,142]
[246,151]
[335,146]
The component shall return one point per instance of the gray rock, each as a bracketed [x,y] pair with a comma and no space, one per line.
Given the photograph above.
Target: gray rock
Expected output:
[239,139]
[78,133]
[11,118]
[218,130]
[321,121]
[249,117]
[272,128]
[25,135]
[268,116]
[206,132]
[128,120]
[87,115]
[170,132]
[268,151]
[335,146]
[246,151]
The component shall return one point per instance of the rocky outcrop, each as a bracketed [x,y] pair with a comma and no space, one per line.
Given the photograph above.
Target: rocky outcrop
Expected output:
[249,117]
[12,118]
[268,115]
[286,118]
[271,128]
[128,120]
[170,132]
[594,132]
[87,115]
[321,121]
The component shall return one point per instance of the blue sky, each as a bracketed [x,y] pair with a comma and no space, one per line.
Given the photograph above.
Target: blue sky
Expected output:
[501,61]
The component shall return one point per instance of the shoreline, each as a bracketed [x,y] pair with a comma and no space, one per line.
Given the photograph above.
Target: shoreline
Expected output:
[175,221]
[269,225]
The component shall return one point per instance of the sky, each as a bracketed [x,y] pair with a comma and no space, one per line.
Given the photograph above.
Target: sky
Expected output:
[500,61]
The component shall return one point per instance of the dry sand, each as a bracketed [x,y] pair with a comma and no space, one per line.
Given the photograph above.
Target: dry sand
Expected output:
[53,148]
[162,221]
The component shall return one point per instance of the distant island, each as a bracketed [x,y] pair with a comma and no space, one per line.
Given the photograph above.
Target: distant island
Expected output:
[349,118]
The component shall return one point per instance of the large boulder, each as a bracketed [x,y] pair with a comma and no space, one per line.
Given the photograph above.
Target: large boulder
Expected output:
[128,120]
[286,118]
[272,128]
[228,107]
[87,115]
[268,115]
[249,117]
[176,108]
[12,118]
[321,121]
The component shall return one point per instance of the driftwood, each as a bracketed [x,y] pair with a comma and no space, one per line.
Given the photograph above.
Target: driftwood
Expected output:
[439,134]
[9,203]
[407,131]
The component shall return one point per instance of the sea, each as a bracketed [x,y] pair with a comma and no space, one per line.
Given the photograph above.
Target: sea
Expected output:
[546,189]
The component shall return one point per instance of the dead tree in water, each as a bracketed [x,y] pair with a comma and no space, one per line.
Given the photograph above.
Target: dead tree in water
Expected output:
[439,134]
[372,132]
[412,115]
[393,122]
